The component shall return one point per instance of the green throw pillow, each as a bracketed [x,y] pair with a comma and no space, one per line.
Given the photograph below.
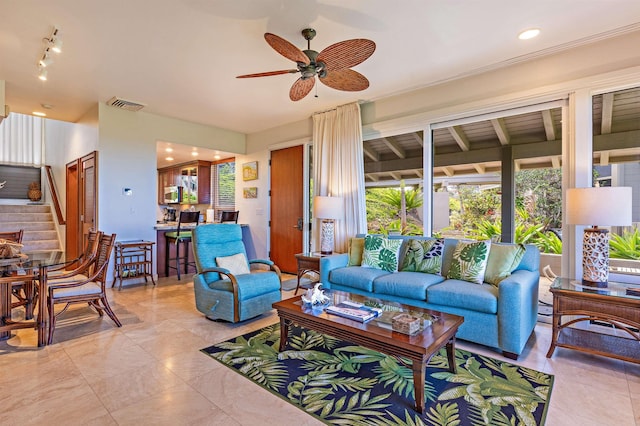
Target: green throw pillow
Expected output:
[424,256]
[356,247]
[381,253]
[470,261]
[503,259]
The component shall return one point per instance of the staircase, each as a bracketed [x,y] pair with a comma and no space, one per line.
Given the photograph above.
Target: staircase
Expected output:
[37,222]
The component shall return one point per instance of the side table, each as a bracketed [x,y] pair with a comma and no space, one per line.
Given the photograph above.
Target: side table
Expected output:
[617,305]
[133,259]
[307,262]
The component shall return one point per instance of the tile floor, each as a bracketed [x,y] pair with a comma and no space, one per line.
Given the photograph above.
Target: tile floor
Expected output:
[150,371]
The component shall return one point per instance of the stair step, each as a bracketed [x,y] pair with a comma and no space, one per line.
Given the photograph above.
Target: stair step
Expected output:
[26,226]
[25,217]
[24,208]
[36,220]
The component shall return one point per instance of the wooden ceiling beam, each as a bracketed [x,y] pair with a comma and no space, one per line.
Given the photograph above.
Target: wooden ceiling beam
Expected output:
[448,171]
[395,147]
[549,127]
[500,128]
[419,173]
[460,137]
[395,175]
[555,162]
[607,113]
[416,136]
[371,154]
[480,168]
[604,158]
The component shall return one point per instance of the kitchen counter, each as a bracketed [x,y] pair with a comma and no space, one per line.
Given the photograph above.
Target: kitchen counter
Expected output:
[172,226]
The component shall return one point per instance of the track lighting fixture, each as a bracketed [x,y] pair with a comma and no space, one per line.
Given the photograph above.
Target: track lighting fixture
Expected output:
[53,43]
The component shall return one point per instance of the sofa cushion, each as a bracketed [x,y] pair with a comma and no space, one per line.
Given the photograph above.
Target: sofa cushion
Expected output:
[412,285]
[236,264]
[503,260]
[424,256]
[381,253]
[470,261]
[465,295]
[356,248]
[356,277]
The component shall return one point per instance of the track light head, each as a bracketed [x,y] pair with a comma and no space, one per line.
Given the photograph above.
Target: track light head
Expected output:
[43,74]
[54,42]
[56,45]
[46,60]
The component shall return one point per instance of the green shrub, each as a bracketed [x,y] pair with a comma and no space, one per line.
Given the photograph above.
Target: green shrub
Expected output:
[625,246]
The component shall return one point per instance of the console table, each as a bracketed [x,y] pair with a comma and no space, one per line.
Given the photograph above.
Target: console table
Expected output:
[618,305]
[133,259]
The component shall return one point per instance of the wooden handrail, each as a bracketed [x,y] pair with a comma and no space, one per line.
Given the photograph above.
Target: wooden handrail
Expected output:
[54,195]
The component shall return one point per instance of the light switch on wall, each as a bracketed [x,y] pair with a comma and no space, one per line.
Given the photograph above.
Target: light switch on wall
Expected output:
[127,191]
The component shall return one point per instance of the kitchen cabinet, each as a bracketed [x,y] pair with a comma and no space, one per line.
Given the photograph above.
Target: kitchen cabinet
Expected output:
[193,178]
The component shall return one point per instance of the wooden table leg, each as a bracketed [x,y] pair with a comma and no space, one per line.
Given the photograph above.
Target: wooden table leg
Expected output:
[419,370]
[41,322]
[5,307]
[284,333]
[451,355]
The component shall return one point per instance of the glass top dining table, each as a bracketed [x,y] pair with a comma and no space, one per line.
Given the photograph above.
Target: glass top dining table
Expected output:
[29,269]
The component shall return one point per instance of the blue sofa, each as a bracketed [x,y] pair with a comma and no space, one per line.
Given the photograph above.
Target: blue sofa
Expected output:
[501,317]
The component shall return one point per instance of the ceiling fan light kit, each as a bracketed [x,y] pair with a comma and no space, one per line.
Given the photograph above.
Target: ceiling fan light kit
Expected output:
[332,65]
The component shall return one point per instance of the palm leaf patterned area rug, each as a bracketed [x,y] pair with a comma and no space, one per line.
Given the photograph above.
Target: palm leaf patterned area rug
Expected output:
[345,384]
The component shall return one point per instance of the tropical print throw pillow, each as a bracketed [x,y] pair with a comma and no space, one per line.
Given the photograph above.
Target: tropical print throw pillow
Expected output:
[424,256]
[381,253]
[470,261]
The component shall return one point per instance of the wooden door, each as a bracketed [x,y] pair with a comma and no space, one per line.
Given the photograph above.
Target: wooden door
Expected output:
[88,193]
[73,244]
[287,188]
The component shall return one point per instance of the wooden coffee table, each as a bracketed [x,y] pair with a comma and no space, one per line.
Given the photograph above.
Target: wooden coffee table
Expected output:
[377,335]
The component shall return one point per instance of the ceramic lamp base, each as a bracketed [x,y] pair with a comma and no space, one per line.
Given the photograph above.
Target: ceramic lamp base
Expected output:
[326,236]
[595,257]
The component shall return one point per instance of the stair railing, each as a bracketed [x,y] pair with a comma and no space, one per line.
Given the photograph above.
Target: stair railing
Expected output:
[54,195]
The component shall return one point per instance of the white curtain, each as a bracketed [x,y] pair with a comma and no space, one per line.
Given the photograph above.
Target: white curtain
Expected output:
[22,140]
[338,168]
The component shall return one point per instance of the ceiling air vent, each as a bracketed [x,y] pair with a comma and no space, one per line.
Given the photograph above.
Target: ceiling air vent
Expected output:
[125,104]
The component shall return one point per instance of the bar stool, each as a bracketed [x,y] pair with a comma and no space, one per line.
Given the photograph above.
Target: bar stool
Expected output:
[229,216]
[180,238]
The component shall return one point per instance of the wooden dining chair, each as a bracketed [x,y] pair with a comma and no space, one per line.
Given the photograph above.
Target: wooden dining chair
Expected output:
[22,291]
[71,267]
[91,290]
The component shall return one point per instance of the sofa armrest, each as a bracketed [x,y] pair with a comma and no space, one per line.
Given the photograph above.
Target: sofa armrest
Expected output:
[328,263]
[517,309]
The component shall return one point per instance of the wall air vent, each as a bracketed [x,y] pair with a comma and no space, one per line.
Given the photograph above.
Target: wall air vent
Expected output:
[125,104]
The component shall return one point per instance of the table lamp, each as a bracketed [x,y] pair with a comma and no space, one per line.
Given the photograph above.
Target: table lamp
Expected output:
[327,209]
[600,206]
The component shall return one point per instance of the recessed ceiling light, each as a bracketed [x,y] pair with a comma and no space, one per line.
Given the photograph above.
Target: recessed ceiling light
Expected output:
[39,114]
[169,149]
[194,153]
[216,157]
[530,33]
[169,158]
[46,106]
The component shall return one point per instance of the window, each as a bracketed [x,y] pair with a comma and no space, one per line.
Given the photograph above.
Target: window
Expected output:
[224,184]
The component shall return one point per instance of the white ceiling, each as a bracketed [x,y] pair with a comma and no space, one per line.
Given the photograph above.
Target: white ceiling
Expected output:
[180,57]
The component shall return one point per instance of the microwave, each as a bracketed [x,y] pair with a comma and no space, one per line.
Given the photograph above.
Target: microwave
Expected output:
[172,194]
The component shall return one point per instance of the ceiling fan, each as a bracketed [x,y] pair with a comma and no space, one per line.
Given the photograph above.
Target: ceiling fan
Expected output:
[332,65]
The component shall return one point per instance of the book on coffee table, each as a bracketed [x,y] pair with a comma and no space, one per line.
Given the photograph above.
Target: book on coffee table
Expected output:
[354,311]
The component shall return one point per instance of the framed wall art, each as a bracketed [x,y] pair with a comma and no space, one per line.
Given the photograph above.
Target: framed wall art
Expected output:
[250,171]
[250,192]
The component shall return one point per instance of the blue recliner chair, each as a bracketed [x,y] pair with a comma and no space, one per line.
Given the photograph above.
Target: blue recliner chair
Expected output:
[222,294]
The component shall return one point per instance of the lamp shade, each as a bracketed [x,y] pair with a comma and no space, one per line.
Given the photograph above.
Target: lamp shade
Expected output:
[328,207]
[600,206]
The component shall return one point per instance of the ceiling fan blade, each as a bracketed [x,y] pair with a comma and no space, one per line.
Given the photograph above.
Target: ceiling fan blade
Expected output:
[268,73]
[346,54]
[286,49]
[346,79]
[301,88]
